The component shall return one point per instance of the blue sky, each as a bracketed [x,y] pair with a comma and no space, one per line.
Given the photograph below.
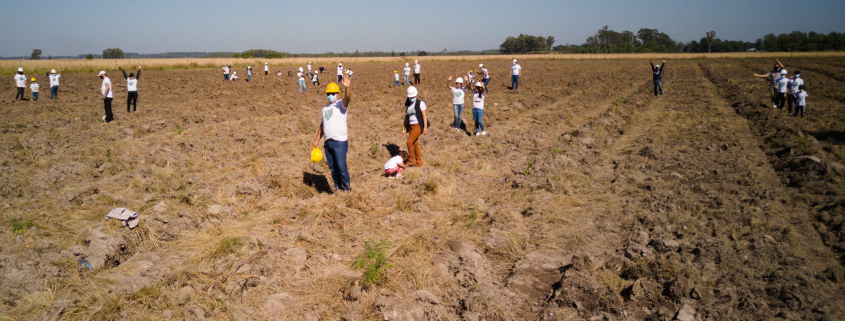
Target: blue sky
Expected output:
[72,27]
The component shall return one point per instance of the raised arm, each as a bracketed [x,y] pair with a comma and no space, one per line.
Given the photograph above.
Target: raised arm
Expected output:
[780,64]
[347,97]
[652,64]
[662,65]
[124,73]
[138,75]
[449,81]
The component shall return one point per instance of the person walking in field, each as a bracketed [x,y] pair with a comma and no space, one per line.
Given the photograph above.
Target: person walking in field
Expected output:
[108,95]
[333,127]
[793,85]
[20,83]
[315,80]
[485,77]
[417,72]
[225,73]
[54,83]
[773,77]
[249,73]
[301,81]
[416,124]
[478,94]
[396,164]
[34,87]
[657,72]
[782,85]
[132,88]
[515,69]
[457,99]
[801,100]
[407,72]
[266,69]
[339,72]
[395,79]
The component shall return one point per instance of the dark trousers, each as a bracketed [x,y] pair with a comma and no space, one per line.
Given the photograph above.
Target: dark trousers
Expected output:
[417,79]
[225,76]
[514,81]
[336,158]
[486,82]
[54,92]
[773,90]
[132,100]
[801,108]
[780,100]
[107,107]
[266,72]
[339,78]
[790,100]
[19,94]
[658,85]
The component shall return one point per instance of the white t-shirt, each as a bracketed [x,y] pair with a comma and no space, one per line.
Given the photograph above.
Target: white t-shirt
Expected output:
[793,85]
[20,80]
[266,67]
[249,71]
[411,112]
[486,74]
[225,70]
[314,78]
[131,84]
[416,68]
[782,84]
[395,77]
[477,101]
[54,80]
[349,72]
[334,121]
[339,70]
[457,96]
[309,67]
[515,69]
[109,93]
[393,162]
[801,98]
[407,71]
[299,74]
[34,87]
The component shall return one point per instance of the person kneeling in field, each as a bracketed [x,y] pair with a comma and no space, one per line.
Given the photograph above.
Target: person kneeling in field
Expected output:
[333,126]
[235,76]
[396,164]
[132,88]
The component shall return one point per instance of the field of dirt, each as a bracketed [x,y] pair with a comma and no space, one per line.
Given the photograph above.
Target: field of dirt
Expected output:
[589,199]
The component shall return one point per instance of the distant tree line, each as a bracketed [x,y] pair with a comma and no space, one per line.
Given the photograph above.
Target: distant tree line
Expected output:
[526,44]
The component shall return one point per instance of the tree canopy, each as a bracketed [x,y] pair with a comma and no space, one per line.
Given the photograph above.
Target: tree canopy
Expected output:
[113,53]
[526,44]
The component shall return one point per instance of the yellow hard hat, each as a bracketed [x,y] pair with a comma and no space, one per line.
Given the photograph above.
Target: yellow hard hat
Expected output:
[394,71]
[332,88]
[316,155]
[33,79]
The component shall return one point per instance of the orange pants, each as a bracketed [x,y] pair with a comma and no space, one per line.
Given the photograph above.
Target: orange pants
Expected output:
[414,155]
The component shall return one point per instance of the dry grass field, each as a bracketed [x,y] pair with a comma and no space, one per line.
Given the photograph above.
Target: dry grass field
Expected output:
[589,199]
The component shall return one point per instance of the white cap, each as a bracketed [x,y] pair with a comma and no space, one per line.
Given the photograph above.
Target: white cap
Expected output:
[783,71]
[309,62]
[412,92]
[102,72]
[53,71]
[480,65]
[416,61]
[300,68]
[340,64]
[459,80]
[234,72]
[20,69]
[514,61]
[407,64]
[479,84]
[657,66]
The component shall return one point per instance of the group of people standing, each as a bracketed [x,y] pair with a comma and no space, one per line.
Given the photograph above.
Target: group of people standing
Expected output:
[785,91]
[107,90]
[20,84]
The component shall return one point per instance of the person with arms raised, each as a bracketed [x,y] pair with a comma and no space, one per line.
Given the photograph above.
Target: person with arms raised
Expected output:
[132,88]
[54,83]
[333,127]
[657,72]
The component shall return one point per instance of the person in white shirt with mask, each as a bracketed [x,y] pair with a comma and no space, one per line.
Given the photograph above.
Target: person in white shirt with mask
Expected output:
[54,83]
[132,88]
[333,127]
[457,98]
[417,72]
[108,95]
[407,72]
[792,90]
[301,80]
[515,71]
[20,83]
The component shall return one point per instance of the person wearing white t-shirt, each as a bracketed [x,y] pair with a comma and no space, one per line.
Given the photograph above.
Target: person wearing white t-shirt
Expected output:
[309,67]
[457,99]
[782,84]
[485,78]
[416,72]
[773,76]
[108,95]
[407,72]
[395,79]
[34,87]
[54,83]
[266,69]
[225,73]
[333,126]
[416,124]
[801,100]
[478,94]
[792,89]
[396,164]
[315,79]
[339,72]
[20,83]
[235,76]
[301,80]
[131,88]
[249,73]
[515,70]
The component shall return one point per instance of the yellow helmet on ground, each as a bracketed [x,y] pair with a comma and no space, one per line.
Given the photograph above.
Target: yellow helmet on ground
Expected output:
[332,88]
[316,155]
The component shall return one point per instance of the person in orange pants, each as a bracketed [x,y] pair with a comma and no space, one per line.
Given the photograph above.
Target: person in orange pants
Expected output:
[416,124]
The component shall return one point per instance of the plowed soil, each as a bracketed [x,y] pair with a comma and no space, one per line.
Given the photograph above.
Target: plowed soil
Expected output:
[590,198]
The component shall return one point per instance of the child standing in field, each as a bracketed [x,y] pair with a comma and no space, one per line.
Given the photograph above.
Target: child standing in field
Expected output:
[132,88]
[782,83]
[457,99]
[34,88]
[301,76]
[315,80]
[54,83]
[470,77]
[794,84]
[395,79]
[478,108]
[396,164]
[20,82]
[801,100]
[266,69]
[339,72]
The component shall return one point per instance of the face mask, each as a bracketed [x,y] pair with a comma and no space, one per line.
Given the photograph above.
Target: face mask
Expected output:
[332,98]
[413,100]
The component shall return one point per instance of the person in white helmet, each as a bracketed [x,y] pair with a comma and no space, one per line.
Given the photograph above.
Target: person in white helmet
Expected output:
[416,72]
[515,70]
[131,88]
[309,67]
[407,72]
[108,95]
[315,78]
[485,77]
[794,83]
[249,73]
[783,85]
[54,83]
[416,124]
[301,80]
[235,76]
[773,75]
[457,98]
[339,72]
[266,69]
[20,83]
[657,72]
[478,94]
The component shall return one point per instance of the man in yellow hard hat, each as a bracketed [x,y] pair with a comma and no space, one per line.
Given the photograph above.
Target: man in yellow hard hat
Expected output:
[333,127]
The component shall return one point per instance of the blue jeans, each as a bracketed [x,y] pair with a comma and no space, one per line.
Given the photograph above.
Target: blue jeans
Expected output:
[34,96]
[658,85]
[459,109]
[395,83]
[249,77]
[514,81]
[54,92]
[336,157]
[225,76]
[486,81]
[302,85]
[406,80]
[477,114]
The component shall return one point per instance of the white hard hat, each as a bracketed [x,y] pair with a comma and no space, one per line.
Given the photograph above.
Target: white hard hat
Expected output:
[459,80]
[412,92]
[265,62]
[479,84]
[340,64]
[416,61]
[514,61]
[656,66]
[480,65]
[300,68]
[53,71]
[309,62]
[20,69]
[102,72]
[406,64]
[783,71]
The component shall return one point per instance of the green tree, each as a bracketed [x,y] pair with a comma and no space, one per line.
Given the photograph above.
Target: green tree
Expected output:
[710,39]
[89,57]
[113,53]
[36,54]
